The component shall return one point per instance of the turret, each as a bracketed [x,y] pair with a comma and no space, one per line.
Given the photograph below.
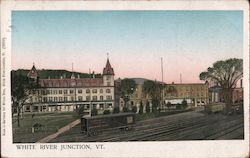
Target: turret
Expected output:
[33,73]
[108,74]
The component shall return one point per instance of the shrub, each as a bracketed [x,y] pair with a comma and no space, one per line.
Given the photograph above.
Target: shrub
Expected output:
[134,109]
[125,109]
[116,110]
[94,111]
[178,106]
[141,108]
[105,112]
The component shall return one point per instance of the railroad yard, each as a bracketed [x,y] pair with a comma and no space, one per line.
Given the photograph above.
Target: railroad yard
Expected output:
[193,125]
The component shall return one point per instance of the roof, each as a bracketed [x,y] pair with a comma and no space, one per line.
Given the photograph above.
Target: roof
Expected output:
[68,82]
[110,115]
[33,72]
[108,70]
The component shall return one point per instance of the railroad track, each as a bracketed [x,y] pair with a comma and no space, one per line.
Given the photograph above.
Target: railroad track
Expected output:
[201,127]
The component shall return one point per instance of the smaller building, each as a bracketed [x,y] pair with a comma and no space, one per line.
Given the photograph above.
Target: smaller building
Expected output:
[194,93]
[216,94]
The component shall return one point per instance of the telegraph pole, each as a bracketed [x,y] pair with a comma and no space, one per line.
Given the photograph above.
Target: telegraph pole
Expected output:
[162,82]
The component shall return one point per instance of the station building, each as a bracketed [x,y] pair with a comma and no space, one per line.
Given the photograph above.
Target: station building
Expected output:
[68,94]
[196,94]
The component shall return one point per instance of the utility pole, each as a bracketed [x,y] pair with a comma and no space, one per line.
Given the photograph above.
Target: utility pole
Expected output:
[180,79]
[162,81]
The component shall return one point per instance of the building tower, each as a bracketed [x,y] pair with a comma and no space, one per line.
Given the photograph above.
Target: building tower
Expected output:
[108,74]
[33,73]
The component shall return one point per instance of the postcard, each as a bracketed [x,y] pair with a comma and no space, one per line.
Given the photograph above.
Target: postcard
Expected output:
[124,78]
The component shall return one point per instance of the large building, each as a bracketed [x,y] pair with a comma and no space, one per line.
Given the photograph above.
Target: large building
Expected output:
[68,94]
[196,94]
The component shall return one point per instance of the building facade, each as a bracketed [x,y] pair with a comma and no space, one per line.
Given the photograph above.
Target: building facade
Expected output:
[68,94]
[194,93]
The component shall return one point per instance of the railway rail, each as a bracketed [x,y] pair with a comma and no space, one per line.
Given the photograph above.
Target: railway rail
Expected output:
[184,127]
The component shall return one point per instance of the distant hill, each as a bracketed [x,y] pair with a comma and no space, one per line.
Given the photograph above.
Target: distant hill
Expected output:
[142,80]
[47,73]
[139,80]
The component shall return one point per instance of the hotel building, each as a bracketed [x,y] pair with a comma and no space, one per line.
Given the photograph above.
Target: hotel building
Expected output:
[68,94]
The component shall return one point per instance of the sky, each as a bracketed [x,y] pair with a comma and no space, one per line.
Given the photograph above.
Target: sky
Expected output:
[187,41]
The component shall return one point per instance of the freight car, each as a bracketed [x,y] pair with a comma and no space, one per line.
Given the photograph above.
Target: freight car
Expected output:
[214,107]
[97,124]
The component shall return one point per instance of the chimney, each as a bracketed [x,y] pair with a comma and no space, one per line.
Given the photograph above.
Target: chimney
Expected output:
[78,76]
[93,74]
[61,77]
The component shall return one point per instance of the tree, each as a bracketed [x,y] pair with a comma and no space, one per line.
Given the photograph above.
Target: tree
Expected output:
[21,87]
[147,107]
[169,105]
[116,110]
[127,89]
[134,109]
[141,108]
[184,104]
[154,89]
[226,73]
[80,111]
[94,111]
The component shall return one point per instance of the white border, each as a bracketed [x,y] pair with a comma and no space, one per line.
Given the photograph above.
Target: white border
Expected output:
[235,148]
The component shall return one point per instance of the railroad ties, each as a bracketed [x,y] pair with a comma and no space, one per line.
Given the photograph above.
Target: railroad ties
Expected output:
[189,127]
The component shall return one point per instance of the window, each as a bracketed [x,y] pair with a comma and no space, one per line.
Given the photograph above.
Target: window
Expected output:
[54,91]
[109,97]
[47,92]
[101,90]
[107,90]
[101,97]
[65,91]
[60,98]
[71,91]
[44,99]
[79,91]
[79,98]
[55,99]
[72,98]
[88,98]
[94,98]
[65,98]
[94,90]
[108,84]
[31,99]
[101,106]
[60,91]
[50,99]
[43,92]
[87,90]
